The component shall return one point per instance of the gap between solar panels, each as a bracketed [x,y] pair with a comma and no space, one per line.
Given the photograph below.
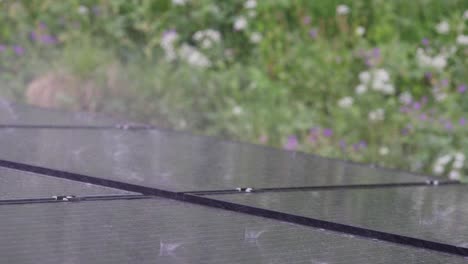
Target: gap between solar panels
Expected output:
[71,198]
[318,188]
[287,217]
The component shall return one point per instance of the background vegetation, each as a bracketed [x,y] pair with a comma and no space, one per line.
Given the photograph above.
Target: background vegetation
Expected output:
[368,80]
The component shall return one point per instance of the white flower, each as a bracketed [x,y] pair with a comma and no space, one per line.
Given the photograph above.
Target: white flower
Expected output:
[250,4]
[438,62]
[207,34]
[198,36]
[360,31]
[406,98]
[457,164]
[438,169]
[361,88]
[194,57]
[459,156]
[383,151]
[454,175]
[378,84]
[377,115]
[240,23]
[255,37]
[364,77]
[462,40]
[342,10]
[206,44]
[83,10]
[444,160]
[440,96]
[345,102]
[237,110]
[167,43]
[213,35]
[388,89]
[179,2]
[443,27]
[465,15]
[382,75]
[207,37]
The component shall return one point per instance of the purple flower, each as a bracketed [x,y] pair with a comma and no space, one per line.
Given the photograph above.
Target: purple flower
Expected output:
[18,50]
[444,83]
[428,75]
[462,121]
[416,105]
[449,126]
[362,144]
[2,48]
[404,109]
[169,32]
[327,132]
[405,131]
[425,41]
[42,25]
[461,88]
[32,36]
[306,20]
[48,39]
[423,117]
[292,143]
[313,33]
[376,53]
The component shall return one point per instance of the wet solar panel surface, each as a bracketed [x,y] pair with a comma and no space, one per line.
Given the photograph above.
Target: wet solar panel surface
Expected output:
[158,230]
[435,214]
[14,114]
[166,231]
[181,162]
[25,185]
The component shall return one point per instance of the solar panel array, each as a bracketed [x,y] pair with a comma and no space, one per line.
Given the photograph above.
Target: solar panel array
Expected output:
[80,188]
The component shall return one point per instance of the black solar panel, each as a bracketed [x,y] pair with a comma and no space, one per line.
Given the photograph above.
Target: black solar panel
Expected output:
[183,163]
[25,185]
[22,115]
[367,206]
[165,231]
[436,214]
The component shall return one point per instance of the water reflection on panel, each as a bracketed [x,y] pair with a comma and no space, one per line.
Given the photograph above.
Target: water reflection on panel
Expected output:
[165,231]
[13,114]
[181,162]
[24,185]
[431,213]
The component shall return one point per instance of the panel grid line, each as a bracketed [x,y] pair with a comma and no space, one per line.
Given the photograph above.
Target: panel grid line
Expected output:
[201,200]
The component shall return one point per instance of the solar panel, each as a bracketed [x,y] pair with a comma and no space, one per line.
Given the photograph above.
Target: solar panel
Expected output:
[289,188]
[25,185]
[166,231]
[184,163]
[437,214]
[23,115]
